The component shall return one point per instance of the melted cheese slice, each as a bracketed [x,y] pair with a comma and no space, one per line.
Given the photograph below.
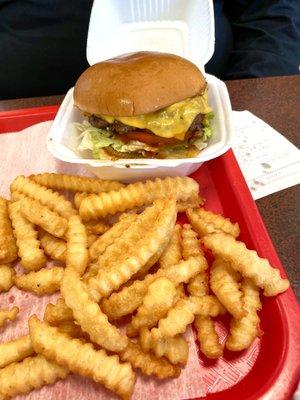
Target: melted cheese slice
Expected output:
[169,122]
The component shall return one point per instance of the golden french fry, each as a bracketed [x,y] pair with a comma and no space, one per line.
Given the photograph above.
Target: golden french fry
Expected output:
[15,350]
[91,239]
[75,182]
[89,315]
[8,315]
[137,194]
[7,274]
[54,247]
[8,248]
[71,328]
[205,222]
[130,297]
[224,282]
[244,330]
[193,202]
[173,252]
[160,297]
[82,358]
[175,349]
[191,246]
[32,373]
[42,216]
[86,311]
[44,281]
[99,247]
[148,364]
[176,321]
[207,305]
[198,286]
[208,337]
[77,256]
[16,196]
[58,313]
[204,325]
[183,314]
[32,257]
[247,262]
[78,197]
[97,227]
[47,197]
[190,243]
[122,261]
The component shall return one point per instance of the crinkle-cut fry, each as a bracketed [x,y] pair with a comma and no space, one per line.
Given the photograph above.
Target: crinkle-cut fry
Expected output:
[88,314]
[208,337]
[15,350]
[244,330]
[160,297]
[56,314]
[44,281]
[47,197]
[175,349]
[204,325]
[81,358]
[134,248]
[101,244]
[30,374]
[176,321]
[76,183]
[193,202]
[183,314]
[207,305]
[7,274]
[16,196]
[91,239]
[32,257]
[8,315]
[97,227]
[123,260]
[191,246]
[224,282]
[77,255]
[137,194]
[42,216]
[190,243]
[78,197]
[71,328]
[130,297]
[147,363]
[8,247]
[172,254]
[247,262]
[198,286]
[54,247]
[205,222]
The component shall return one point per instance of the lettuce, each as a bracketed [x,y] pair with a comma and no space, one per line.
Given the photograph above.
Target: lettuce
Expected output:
[95,139]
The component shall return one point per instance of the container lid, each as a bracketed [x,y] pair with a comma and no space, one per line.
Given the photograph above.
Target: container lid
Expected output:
[182,27]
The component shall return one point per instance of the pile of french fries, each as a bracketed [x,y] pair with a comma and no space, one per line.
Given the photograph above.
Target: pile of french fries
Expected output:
[120,252]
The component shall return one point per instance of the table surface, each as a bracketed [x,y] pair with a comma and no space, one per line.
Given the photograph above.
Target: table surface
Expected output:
[276,101]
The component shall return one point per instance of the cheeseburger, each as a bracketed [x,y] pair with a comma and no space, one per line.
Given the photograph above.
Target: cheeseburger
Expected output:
[143,105]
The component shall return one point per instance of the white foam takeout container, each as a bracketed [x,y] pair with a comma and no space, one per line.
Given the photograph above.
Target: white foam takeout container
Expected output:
[183,27]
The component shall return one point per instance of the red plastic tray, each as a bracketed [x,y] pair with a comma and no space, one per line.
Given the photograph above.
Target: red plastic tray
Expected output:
[276,370]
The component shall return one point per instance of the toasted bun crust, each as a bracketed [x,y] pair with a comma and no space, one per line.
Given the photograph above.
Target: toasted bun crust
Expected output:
[137,83]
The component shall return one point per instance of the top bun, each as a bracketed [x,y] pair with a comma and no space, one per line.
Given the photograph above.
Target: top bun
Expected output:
[137,83]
